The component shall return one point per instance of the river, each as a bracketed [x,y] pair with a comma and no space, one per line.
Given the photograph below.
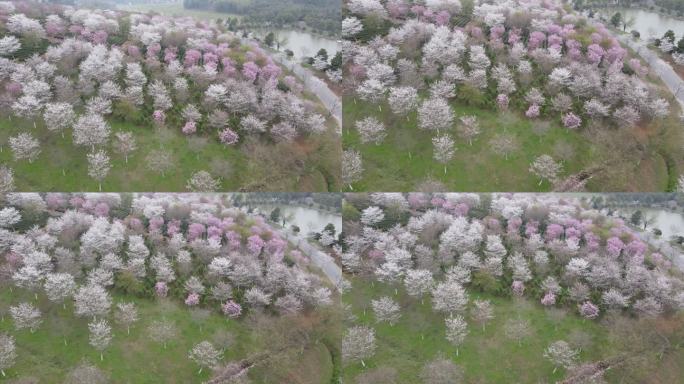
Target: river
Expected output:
[307,219]
[303,44]
[648,23]
[670,223]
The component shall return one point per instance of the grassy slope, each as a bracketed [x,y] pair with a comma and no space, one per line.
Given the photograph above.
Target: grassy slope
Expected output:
[45,173]
[273,167]
[135,358]
[485,357]
[389,168]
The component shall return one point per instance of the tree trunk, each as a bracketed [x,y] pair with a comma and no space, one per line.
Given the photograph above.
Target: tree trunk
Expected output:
[65,342]
[63,172]
[101,357]
[100,185]
[200,371]
[541,181]
[128,329]
[363,363]
[126,157]
[3,372]
[456,352]
[445,169]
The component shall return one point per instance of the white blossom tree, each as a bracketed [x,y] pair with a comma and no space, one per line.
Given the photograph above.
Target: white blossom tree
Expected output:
[98,166]
[358,344]
[100,335]
[545,168]
[8,353]
[456,330]
[443,149]
[25,146]
[386,309]
[561,354]
[205,354]
[126,314]
[26,315]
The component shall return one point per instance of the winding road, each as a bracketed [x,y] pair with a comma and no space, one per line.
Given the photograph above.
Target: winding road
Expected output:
[313,84]
[662,68]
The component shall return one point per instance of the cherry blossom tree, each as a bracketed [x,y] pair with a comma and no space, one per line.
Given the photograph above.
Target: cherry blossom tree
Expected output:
[162,331]
[92,301]
[25,146]
[418,282]
[91,130]
[160,161]
[504,144]
[545,168]
[352,167]
[205,355]
[125,143]
[456,330]
[482,312]
[59,286]
[358,344]
[435,114]
[443,149]
[8,353]
[470,128]
[98,166]
[100,335]
[26,315]
[386,309]
[371,130]
[449,296]
[403,100]
[58,116]
[202,181]
[126,314]
[561,354]
[517,330]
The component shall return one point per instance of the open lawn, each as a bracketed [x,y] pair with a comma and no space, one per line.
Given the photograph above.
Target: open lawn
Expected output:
[62,166]
[404,160]
[486,356]
[135,358]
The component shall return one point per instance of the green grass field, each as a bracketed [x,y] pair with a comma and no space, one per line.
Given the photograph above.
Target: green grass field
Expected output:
[486,356]
[135,358]
[62,166]
[388,166]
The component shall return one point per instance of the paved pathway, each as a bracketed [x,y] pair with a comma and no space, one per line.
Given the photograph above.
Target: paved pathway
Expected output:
[319,258]
[662,68]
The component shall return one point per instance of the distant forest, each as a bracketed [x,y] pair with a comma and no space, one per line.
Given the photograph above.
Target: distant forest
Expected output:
[322,16]
[675,7]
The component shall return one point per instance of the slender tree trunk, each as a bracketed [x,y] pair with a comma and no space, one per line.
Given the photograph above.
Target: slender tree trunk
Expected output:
[3,372]
[63,172]
[62,134]
[200,371]
[35,295]
[541,181]
[128,329]
[65,342]
[456,352]
[100,185]
[126,157]
[363,363]
[554,369]
[101,357]
[445,169]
